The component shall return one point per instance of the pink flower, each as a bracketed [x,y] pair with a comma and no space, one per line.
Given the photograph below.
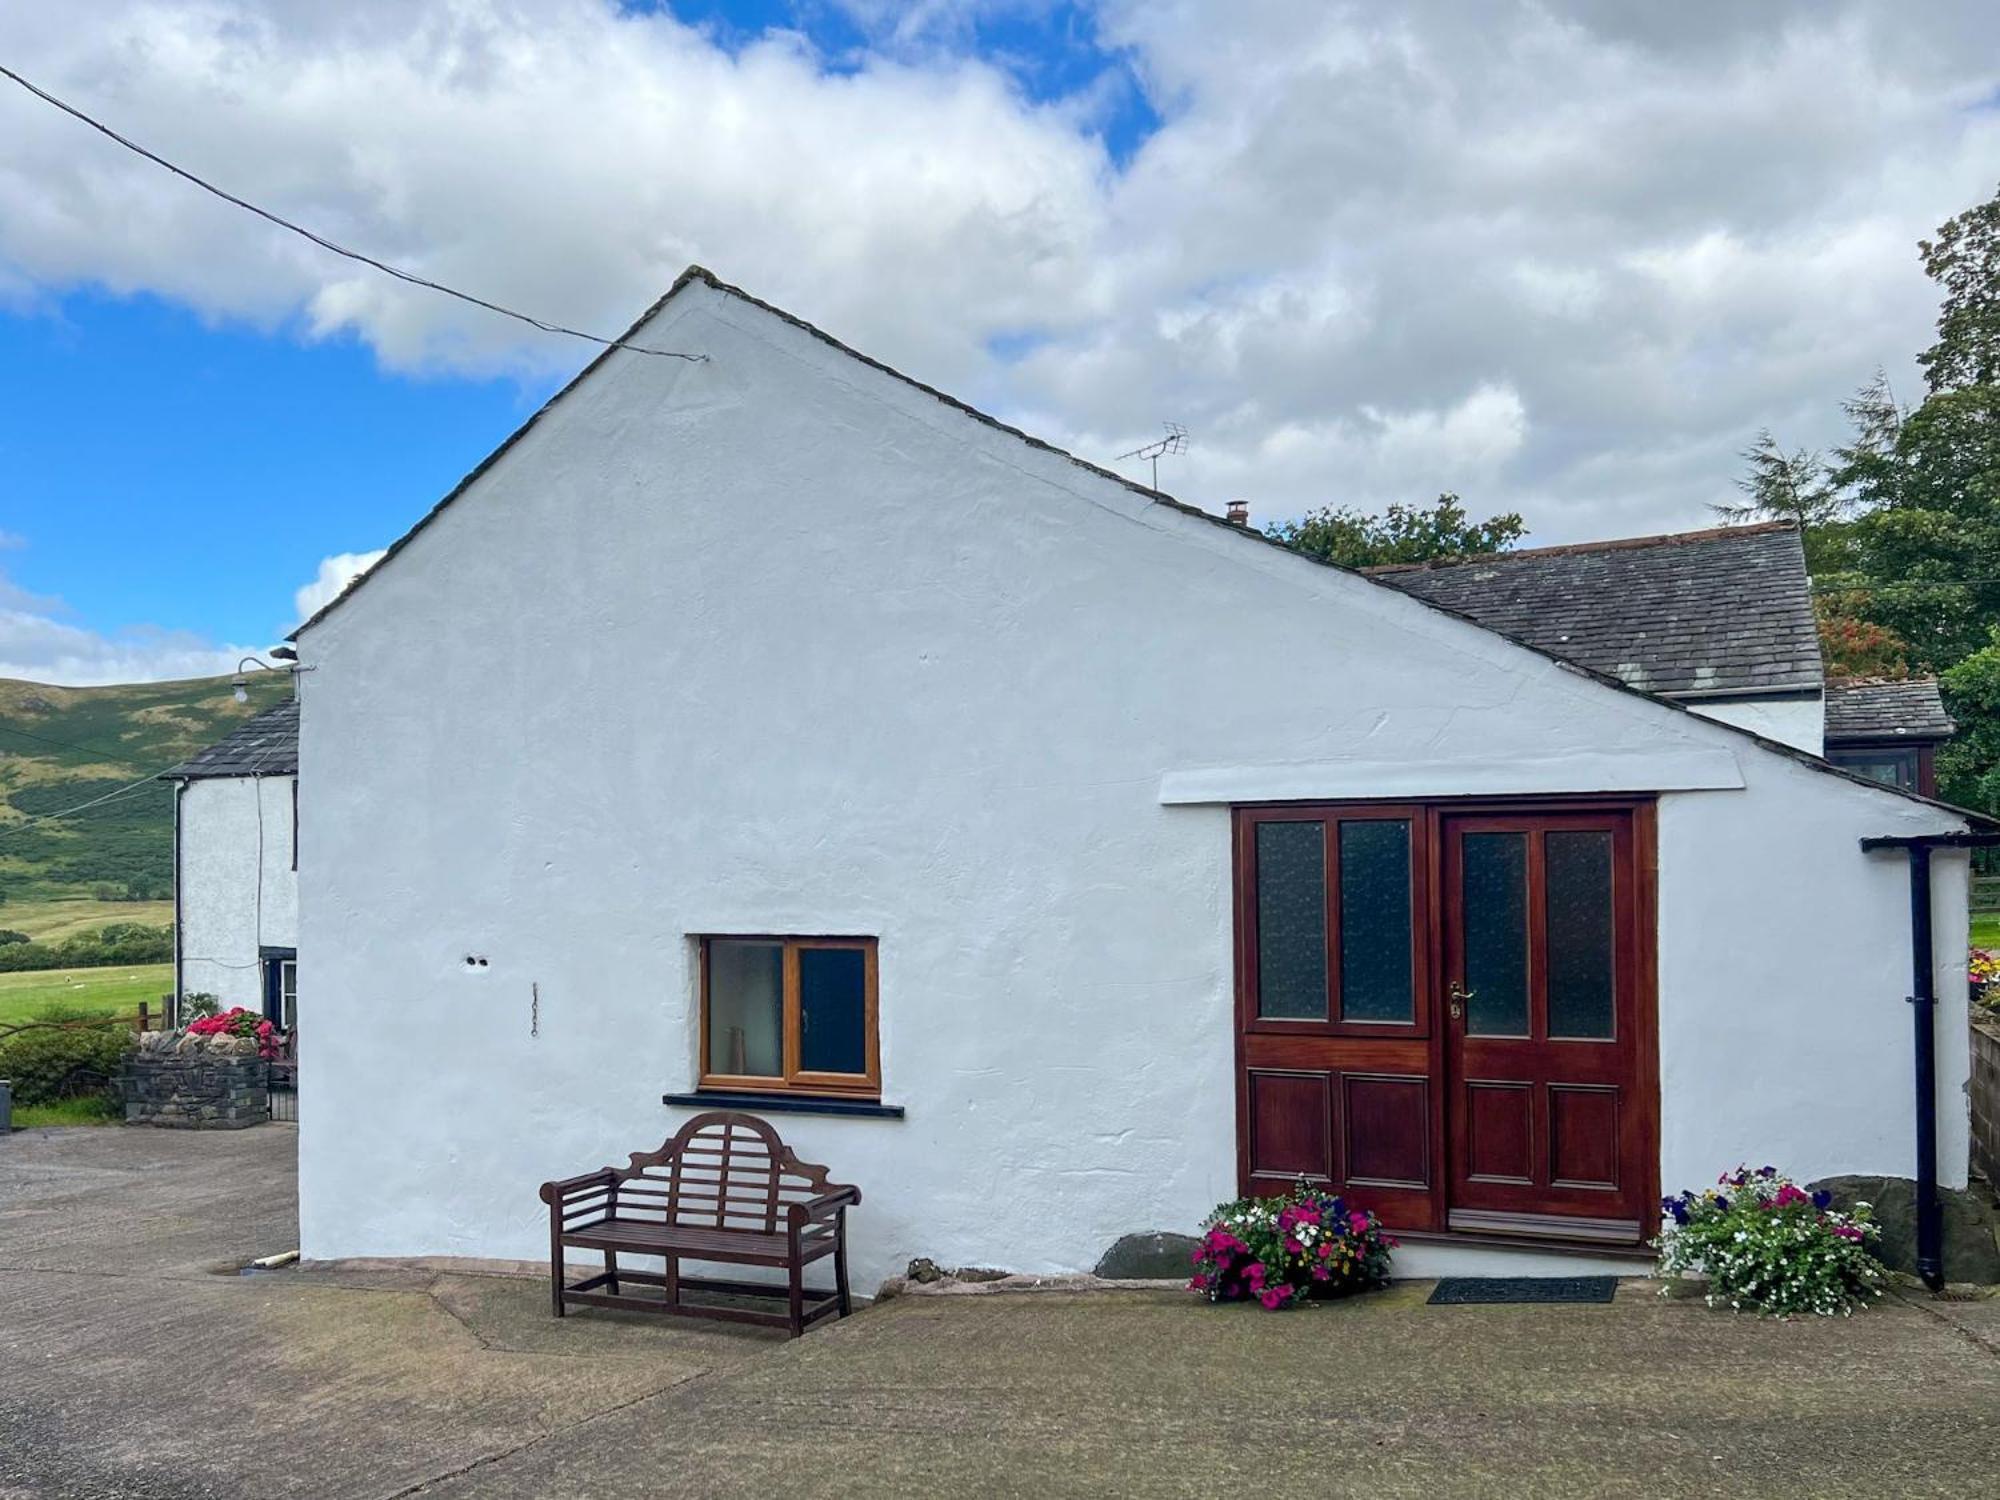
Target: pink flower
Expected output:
[1321,1273]
[1325,1249]
[1358,1222]
[1293,1247]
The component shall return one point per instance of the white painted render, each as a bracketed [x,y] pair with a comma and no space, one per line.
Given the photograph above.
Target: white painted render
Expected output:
[1799,722]
[779,643]
[238,891]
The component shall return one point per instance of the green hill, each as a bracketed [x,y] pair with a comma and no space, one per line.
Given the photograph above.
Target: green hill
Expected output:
[61,746]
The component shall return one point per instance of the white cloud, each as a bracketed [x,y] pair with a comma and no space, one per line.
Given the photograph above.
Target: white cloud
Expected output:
[39,644]
[1564,258]
[335,574]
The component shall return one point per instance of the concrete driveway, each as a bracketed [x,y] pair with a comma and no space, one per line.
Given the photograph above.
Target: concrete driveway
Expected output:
[130,1366]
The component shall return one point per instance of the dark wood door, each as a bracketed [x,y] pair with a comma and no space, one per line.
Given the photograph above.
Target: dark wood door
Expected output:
[1336,1051]
[1551,1118]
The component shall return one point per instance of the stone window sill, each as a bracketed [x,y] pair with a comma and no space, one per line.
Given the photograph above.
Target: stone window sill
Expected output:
[786,1104]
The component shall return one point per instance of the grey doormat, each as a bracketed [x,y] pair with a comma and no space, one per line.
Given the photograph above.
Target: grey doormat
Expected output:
[1464,1289]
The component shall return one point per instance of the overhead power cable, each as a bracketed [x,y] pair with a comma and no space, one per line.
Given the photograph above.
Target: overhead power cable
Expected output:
[326,244]
[37,821]
[1862,584]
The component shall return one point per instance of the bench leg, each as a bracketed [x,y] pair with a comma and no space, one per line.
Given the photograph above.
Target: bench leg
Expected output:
[611,1268]
[797,1271]
[673,1287]
[556,1266]
[840,1263]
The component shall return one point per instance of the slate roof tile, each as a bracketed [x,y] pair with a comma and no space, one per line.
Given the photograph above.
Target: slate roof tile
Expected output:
[1721,611]
[266,744]
[1862,708]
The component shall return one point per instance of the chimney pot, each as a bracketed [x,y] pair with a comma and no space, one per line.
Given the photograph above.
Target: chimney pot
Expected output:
[1239,513]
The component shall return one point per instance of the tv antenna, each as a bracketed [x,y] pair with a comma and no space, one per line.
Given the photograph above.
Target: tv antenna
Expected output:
[1175,441]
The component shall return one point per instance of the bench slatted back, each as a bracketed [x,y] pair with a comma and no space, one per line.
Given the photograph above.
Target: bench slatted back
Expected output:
[722,1170]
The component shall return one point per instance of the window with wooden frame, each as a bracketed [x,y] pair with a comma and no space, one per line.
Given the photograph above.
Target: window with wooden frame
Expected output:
[1330,901]
[790,1015]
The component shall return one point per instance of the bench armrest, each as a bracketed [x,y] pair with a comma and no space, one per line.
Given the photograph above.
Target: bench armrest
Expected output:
[825,1205]
[570,1187]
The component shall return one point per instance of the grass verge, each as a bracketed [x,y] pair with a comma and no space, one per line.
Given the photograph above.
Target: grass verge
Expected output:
[66,1112]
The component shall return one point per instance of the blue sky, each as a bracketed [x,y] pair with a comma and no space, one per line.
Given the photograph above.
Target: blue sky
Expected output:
[1565,259]
[169,471]
[165,471]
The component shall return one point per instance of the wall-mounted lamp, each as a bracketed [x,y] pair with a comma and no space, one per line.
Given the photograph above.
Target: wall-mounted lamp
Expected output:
[240,683]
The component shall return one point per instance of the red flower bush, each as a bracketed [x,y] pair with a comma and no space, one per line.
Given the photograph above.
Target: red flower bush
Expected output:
[236,1021]
[1281,1251]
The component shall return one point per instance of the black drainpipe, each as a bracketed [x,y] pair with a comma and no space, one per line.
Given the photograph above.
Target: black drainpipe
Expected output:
[1923,1015]
[1923,1018]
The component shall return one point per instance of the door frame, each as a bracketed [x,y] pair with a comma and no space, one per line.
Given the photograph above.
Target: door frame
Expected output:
[1424,1212]
[271,963]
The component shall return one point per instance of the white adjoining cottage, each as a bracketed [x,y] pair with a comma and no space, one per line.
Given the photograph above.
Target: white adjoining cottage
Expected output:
[1050,858]
[236,867]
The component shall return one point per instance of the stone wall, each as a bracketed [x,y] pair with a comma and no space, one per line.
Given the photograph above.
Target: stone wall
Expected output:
[191,1083]
[1985,1090]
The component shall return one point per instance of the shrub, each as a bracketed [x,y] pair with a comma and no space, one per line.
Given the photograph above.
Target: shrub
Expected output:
[196,1004]
[236,1021]
[65,1054]
[1282,1251]
[116,943]
[9,935]
[1765,1243]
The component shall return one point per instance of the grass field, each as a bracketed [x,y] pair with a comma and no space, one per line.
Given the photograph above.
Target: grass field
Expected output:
[52,921]
[1986,929]
[112,991]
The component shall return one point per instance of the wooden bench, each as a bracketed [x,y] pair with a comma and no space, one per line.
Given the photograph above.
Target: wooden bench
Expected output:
[723,1189]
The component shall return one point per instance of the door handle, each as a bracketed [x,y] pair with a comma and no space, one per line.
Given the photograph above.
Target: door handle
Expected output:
[1458,994]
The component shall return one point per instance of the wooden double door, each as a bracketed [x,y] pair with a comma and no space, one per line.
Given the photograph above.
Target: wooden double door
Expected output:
[1446,1012]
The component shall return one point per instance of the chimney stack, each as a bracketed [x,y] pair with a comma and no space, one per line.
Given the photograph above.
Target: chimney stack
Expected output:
[1239,513]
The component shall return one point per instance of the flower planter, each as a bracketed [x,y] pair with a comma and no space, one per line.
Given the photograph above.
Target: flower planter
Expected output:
[196,1083]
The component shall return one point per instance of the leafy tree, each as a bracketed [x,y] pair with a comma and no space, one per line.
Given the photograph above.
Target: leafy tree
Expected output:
[1920,561]
[1964,259]
[1795,487]
[1969,765]
[1924,555]
[1401,534]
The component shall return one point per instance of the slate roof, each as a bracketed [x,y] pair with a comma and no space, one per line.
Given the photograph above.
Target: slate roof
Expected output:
[1699,613]
[265,744]
[1864,708]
